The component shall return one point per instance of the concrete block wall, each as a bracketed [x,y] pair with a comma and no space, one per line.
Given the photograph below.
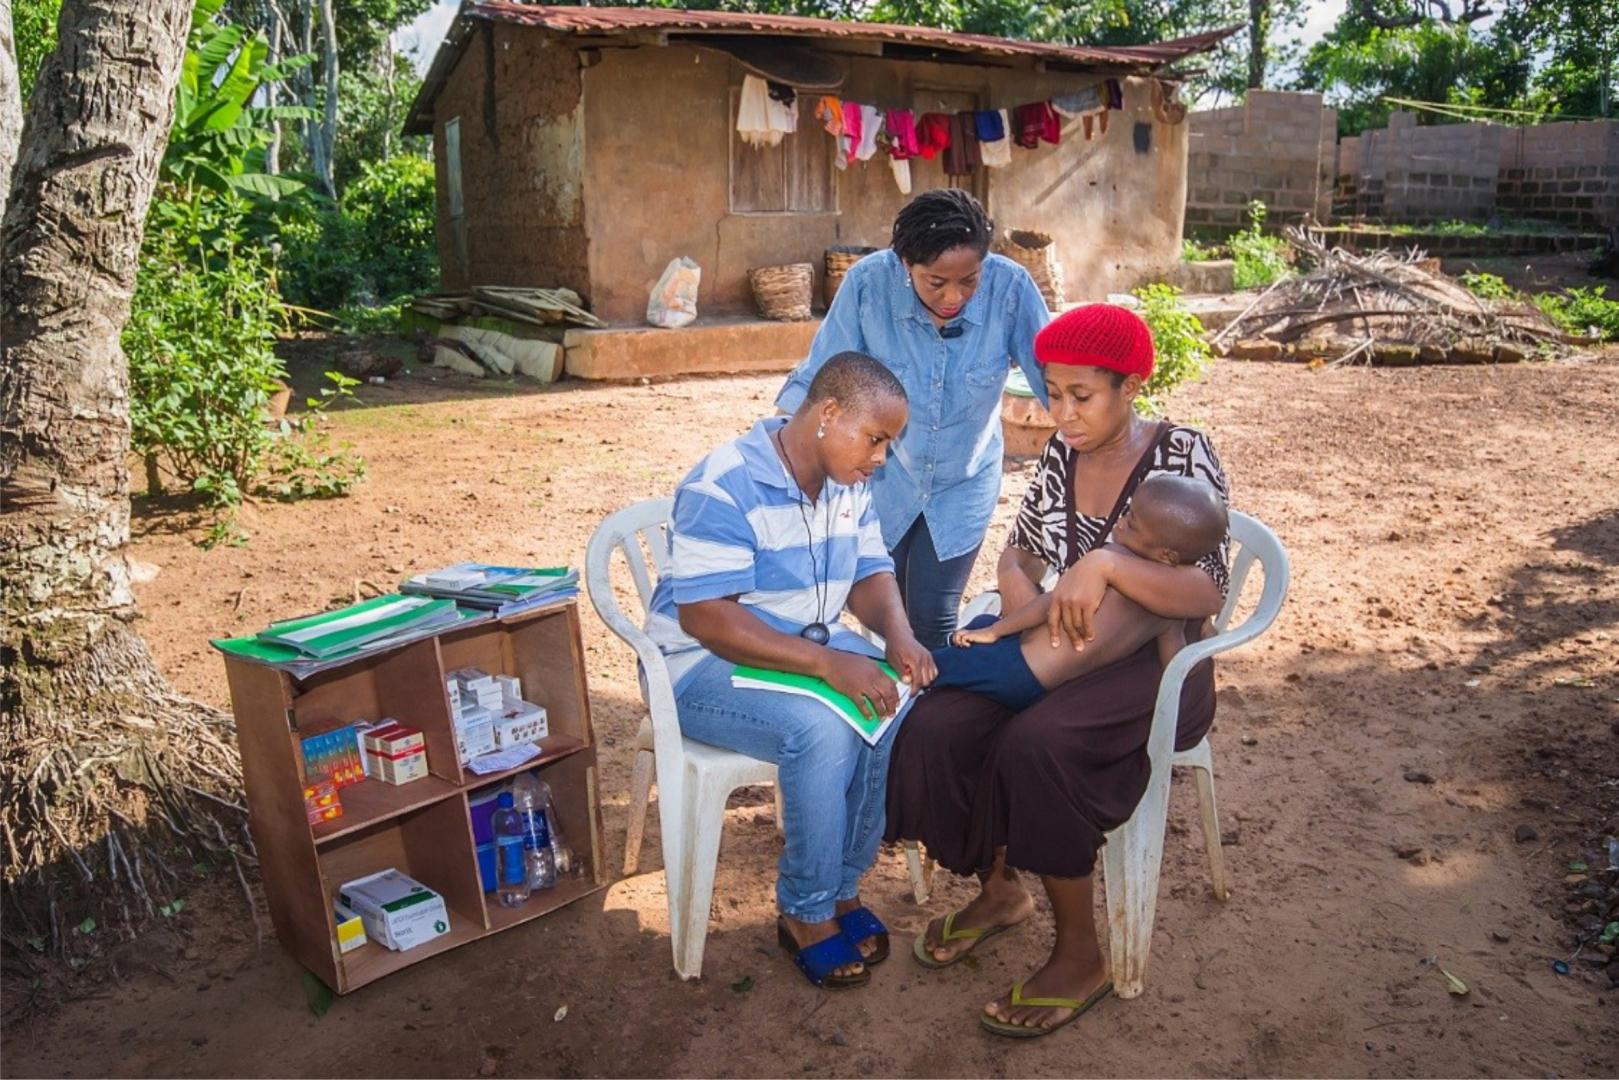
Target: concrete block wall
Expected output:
[1277,147]
[1562,172]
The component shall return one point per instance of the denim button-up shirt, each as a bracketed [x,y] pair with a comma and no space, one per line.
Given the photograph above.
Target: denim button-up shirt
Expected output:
[946,465]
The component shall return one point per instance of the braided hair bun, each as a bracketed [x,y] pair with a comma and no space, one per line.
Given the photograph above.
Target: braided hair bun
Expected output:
[936,221]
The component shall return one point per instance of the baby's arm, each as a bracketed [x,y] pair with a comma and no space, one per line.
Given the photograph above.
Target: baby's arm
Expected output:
[1026,617]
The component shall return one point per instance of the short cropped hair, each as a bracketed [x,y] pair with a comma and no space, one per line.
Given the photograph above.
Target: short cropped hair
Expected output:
[1183,513]
[854,380]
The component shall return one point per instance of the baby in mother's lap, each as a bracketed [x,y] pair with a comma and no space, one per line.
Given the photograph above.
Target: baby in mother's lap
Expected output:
[1014,659]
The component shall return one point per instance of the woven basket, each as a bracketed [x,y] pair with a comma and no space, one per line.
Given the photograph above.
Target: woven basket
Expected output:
[1036,252]
[838,261]
[783,292]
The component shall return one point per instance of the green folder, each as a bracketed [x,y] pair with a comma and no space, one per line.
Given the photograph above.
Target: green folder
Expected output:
[350,627]
[786,682]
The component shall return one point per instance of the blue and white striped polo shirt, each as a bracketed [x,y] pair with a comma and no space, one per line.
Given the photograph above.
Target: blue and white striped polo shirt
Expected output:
[739,530]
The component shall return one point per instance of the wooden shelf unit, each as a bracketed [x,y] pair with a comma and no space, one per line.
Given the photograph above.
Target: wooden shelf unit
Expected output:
[423,828]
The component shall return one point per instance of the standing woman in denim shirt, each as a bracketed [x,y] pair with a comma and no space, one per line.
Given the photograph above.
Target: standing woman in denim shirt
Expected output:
[949,319]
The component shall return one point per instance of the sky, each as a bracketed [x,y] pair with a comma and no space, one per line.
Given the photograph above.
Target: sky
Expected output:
[421,39]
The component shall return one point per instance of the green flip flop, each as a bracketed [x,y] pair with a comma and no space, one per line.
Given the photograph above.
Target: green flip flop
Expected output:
[1019,1031]
[924,957]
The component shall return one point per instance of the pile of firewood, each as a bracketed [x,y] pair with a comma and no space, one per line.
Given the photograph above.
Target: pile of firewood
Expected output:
[1384,308]
[542,307]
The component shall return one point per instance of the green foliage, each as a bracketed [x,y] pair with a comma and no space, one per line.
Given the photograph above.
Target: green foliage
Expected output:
[1586,312]
[1488,286]
[220,138]
[1192,251]
[371,106]
[1177,339]
[1358,64]
[377,247]
[1260,258]
[200,343]
[33,24]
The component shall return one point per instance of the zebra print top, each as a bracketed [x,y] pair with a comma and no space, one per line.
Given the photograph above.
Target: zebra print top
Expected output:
[1042,528]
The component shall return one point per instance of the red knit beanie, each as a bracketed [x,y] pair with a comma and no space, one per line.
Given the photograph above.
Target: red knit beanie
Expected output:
[1098,335]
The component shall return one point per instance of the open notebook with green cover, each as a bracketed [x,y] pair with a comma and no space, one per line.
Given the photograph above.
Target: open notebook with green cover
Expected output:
[752,678]
[348,628]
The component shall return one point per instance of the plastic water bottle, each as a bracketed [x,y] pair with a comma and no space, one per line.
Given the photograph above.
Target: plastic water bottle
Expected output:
[530,795]
[511,860]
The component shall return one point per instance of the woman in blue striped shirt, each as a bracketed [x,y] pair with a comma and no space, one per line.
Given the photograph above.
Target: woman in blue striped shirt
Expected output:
[949,320]
[773,536]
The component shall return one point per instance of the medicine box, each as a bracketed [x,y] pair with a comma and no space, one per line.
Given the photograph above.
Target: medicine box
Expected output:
[350,928]
[520,723]
[397,911]
[474,734]
[321,802]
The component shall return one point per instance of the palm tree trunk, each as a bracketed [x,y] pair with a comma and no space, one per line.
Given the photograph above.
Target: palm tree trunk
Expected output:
[94,746]
[1258,31]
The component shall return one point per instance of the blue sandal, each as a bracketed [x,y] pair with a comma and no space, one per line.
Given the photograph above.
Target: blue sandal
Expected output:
[862,924]
[819,961]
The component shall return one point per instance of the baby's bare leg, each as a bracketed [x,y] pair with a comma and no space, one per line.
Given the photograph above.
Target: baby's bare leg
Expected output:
[1122,627]
[1170,642]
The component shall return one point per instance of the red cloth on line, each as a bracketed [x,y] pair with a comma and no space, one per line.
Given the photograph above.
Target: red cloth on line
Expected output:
[902,140]
[933,133]
[1032,123]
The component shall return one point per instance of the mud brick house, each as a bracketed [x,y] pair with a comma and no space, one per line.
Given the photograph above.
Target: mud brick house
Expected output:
[586,147]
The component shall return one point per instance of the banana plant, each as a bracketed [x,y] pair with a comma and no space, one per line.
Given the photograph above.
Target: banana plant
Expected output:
[220,136]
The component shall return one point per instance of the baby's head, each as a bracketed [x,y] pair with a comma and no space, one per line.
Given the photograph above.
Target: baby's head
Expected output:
[1173,519]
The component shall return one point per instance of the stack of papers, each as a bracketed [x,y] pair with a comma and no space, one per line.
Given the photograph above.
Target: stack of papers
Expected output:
[505,590]
[298,662]
[752,678]
[346,629]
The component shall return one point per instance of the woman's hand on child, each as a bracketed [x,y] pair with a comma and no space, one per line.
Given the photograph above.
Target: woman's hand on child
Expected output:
[1074,601]
[984,635]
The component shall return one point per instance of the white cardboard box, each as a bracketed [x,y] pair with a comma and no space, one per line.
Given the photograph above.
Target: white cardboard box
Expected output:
[520,723]
[397,911]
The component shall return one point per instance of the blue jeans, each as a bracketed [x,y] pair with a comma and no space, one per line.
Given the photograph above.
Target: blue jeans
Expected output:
[930,589]
[833,785]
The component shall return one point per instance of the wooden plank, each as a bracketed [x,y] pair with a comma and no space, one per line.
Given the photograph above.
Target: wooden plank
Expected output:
[410,689]
[272,777]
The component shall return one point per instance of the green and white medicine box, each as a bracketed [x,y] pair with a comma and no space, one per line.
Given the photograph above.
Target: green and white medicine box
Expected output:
[397,911]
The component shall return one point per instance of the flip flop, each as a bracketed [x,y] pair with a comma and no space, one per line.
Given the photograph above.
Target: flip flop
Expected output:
[861,924]
[819,961]
[925,957]
[1018,1031]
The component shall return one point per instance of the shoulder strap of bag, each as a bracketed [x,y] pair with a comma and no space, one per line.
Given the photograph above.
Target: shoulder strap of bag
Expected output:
[1137,475]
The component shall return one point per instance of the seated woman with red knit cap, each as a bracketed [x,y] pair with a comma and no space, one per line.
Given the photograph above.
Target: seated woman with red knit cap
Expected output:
[994,789]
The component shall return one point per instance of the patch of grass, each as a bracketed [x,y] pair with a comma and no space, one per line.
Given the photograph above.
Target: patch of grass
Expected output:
[1192,251]
[1488,286]
[392,418]
[1260,258]
[1585,311]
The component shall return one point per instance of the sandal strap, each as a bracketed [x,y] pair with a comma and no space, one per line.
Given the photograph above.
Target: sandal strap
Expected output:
[952,934]
[824,957]
[1044,1002]
[860,924]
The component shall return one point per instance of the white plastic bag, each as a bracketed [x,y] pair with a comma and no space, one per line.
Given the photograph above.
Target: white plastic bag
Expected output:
[674,298]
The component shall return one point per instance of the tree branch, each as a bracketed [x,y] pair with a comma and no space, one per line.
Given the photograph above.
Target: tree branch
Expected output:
[1421,11]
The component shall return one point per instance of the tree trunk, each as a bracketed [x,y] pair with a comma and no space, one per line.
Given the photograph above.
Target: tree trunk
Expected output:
[95,749]
[1258,32]
[324,164]
[10,103]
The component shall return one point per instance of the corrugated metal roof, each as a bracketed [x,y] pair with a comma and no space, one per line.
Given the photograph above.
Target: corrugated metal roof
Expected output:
[1132,59]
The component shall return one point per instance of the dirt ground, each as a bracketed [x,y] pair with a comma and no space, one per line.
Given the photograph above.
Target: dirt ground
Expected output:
[1444,672]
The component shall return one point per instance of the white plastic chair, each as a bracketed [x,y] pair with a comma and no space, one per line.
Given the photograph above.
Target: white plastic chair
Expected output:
[694,779]
[1134,851]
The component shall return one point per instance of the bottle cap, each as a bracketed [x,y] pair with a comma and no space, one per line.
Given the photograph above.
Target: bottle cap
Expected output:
[505,800]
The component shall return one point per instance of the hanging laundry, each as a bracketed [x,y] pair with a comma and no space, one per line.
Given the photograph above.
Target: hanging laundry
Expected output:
[902,173]
[1165,108]
[900,126]
[829,111]
[1032,123]
[933,133]
[853,118]
[1115,94]
[782,92]
[871,125]
[993,146]
[762,120]
[1079,102]
[961,157]
[1088,122]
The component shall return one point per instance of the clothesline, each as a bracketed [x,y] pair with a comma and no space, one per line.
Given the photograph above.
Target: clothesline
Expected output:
[969,139]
